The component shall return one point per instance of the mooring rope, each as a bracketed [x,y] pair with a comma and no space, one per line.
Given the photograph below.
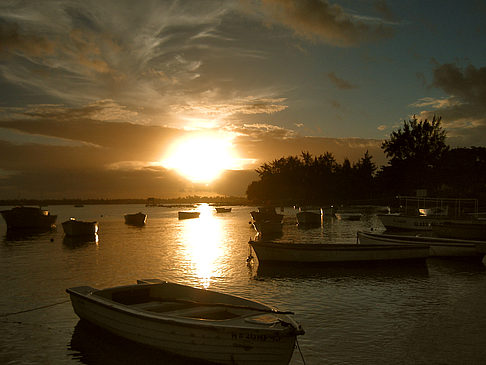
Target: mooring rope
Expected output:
[34,309]
[298,347]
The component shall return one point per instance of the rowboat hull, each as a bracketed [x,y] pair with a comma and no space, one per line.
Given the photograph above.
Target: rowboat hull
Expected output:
[223,210]
[188,215]
[190,335]
[437,246]
[340,252]
[410,223]
[471,230]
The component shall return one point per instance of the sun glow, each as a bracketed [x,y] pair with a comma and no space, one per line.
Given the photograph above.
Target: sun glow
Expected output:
[202,159]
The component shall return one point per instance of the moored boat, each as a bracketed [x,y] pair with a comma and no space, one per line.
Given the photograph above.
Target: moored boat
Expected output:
[266,214]
[194,323]
[437,246]
[266,220]
[463,229]
[189,214]
[275,252]
[422,213]
[136,219]
[73,227]
[222,210]
[28,218]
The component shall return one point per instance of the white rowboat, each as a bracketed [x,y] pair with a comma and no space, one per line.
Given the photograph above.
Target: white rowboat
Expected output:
[268,251]
[194,323]
[437,246]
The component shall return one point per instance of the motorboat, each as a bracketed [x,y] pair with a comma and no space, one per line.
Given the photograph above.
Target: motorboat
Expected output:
[437,246]
[194,323]
[188,214]
[74,227]
[307,253]
[136,219]
[28,218]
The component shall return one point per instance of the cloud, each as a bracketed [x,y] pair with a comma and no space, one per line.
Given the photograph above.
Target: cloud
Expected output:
[463,110]
[339,82]
[330,23]
[12,41]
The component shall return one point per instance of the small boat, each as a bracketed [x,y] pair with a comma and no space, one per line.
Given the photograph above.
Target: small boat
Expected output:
[189,214]
[278,252]
[437,246]
[136,219]
[266,220]
[28,218]
[222,210]
[73,227]
[193,323]
[462,229]
[422,213]
[266,227]
[309,217]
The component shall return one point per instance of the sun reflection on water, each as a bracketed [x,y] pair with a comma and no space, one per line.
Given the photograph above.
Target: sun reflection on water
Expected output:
[202,241]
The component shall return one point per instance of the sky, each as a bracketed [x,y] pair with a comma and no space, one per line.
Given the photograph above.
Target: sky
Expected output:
[123,99]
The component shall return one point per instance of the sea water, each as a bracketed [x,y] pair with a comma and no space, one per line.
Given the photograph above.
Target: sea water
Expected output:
[428,313]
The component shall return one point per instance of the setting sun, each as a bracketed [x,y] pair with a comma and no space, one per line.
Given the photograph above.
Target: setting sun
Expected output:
[201,159]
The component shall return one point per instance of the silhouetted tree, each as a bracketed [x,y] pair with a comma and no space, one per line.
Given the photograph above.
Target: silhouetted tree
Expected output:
[413,151]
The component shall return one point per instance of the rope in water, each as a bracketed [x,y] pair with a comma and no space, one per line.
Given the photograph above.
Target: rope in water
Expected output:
[34,309]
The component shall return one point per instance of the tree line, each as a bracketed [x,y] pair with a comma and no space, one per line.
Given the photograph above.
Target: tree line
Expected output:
[419,158]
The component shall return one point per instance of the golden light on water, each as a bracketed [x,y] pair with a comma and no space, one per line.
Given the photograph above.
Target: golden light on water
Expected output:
[202,158]
[203,239]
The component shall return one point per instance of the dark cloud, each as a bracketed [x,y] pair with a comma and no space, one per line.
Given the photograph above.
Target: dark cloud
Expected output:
[12,41]
[339,82]
[382,8]
[318,19]
[463,111]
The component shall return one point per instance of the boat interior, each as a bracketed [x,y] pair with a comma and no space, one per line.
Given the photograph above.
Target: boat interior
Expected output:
[195,304]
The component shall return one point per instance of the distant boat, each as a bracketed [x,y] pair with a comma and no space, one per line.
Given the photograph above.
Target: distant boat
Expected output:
[136,219]
[188,214]
[348,216]
[421,213]
[222,210]
[266,214]
[307,253]
[309,217]
[79,205]
[437,246]
[28,218]
[73,227]
[266,220]
[194,323]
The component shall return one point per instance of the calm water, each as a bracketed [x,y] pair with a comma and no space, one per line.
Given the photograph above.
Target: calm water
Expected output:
[421,314]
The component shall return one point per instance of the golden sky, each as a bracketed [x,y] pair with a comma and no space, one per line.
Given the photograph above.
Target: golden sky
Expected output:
[109,99]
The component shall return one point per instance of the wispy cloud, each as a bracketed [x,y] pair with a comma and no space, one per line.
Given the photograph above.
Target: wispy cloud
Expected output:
[321,20]
[339,82]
